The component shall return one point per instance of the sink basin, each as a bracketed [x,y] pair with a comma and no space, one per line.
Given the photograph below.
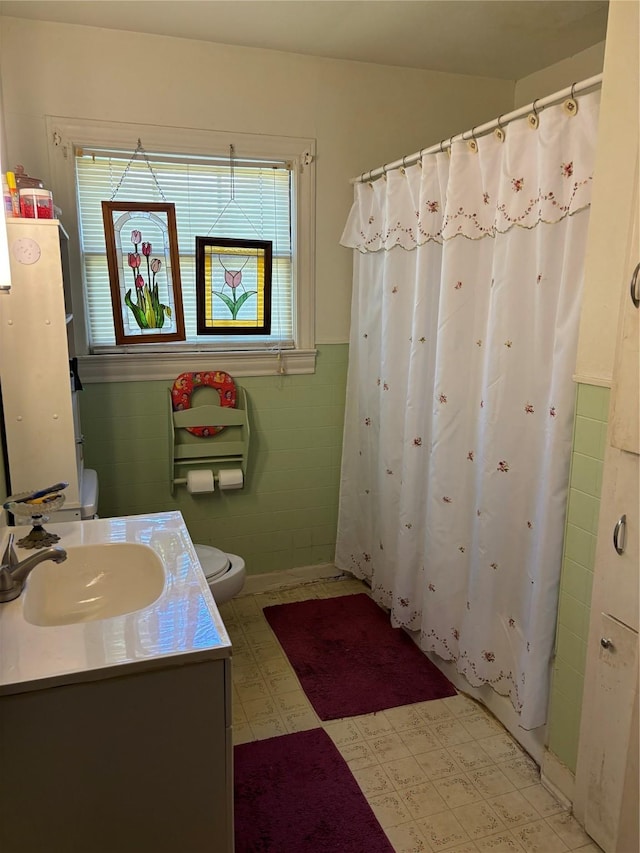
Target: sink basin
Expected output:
[94,582]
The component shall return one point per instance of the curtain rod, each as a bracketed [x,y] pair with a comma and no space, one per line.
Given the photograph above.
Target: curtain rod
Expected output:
[538,104]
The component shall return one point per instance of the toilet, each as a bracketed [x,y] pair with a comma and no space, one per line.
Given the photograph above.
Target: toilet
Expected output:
[225,573]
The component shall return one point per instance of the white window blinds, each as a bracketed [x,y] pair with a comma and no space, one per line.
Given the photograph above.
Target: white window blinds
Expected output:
[257,205]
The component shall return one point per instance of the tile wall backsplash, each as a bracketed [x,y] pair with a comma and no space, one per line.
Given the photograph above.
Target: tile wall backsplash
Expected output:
[285,516]
[590,432]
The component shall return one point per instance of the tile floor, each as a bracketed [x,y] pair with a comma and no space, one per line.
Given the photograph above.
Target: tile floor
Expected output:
[439,775]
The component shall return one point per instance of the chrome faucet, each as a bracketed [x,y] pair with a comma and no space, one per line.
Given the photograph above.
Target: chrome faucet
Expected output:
[14,573]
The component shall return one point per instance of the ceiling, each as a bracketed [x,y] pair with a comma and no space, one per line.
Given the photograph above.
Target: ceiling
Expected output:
[490,38]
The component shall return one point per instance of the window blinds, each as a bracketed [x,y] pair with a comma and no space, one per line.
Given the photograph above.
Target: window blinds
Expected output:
[257,205]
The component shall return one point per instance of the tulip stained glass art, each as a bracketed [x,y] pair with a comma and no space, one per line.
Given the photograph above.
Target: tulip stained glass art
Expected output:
[144,272]
[233,286]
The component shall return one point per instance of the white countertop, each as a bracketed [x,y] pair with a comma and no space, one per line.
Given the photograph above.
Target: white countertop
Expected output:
[182,626]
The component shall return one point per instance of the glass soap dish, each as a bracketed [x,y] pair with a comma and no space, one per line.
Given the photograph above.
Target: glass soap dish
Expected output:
[35,514]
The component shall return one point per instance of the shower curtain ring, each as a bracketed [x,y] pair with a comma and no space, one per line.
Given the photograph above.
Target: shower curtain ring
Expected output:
[571,105]
[499,131]
[532,118]
[420,157]
[472,144]
[404,165]
[384,171]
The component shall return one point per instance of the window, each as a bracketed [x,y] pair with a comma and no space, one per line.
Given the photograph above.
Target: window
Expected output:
[254,196]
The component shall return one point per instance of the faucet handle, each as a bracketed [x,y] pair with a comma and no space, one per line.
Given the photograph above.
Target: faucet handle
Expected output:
[9,557]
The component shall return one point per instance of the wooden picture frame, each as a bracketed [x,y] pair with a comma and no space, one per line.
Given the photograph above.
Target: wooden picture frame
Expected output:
[144,271]
[238,273]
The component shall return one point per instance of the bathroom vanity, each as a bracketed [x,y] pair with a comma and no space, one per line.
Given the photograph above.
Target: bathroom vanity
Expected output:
[115,730]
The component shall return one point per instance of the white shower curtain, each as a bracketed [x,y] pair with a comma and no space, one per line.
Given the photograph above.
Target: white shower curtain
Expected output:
[460,400]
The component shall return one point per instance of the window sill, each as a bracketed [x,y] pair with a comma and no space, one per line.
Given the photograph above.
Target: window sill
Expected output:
[148,367]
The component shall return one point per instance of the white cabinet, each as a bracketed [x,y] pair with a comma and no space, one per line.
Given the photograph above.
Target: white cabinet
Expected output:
[610,698]
[606,782]
[606,795]
[605,798]
[625,431]
[606,790]
[606,787]
[616,586]
[41,420]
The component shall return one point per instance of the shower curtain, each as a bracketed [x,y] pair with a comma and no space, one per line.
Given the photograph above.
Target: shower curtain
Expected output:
[468,273]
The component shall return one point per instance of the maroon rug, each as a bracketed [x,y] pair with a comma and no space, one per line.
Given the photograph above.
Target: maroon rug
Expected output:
[296,794]
[350,660]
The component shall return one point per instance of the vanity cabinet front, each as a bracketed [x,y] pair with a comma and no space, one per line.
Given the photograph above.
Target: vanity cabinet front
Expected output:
[133,764]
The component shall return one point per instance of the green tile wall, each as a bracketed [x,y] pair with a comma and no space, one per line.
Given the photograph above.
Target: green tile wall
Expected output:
[286,515]
[585,484]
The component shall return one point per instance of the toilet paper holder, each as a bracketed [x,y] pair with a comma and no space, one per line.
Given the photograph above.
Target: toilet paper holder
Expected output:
[202,481]
[228,449]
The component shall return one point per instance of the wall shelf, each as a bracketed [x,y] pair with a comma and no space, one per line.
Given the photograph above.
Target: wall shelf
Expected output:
[226,449]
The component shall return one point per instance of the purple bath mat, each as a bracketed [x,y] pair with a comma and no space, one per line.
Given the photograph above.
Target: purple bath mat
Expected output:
[350,660]
[296,794]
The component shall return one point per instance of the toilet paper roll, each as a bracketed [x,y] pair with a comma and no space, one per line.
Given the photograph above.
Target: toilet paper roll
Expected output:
[230,478]
[200,481]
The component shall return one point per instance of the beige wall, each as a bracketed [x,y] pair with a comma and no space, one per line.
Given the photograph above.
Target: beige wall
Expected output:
[558,76]
[361,115]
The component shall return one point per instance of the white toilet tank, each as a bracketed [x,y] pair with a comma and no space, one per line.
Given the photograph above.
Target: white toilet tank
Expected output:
[89,494]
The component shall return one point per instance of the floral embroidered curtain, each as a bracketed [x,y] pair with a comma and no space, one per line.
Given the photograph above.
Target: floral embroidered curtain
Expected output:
[535,176]
[460,400]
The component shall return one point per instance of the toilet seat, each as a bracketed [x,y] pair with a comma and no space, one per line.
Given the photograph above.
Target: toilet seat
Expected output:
[225,573]
[214,562]
[184,386]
